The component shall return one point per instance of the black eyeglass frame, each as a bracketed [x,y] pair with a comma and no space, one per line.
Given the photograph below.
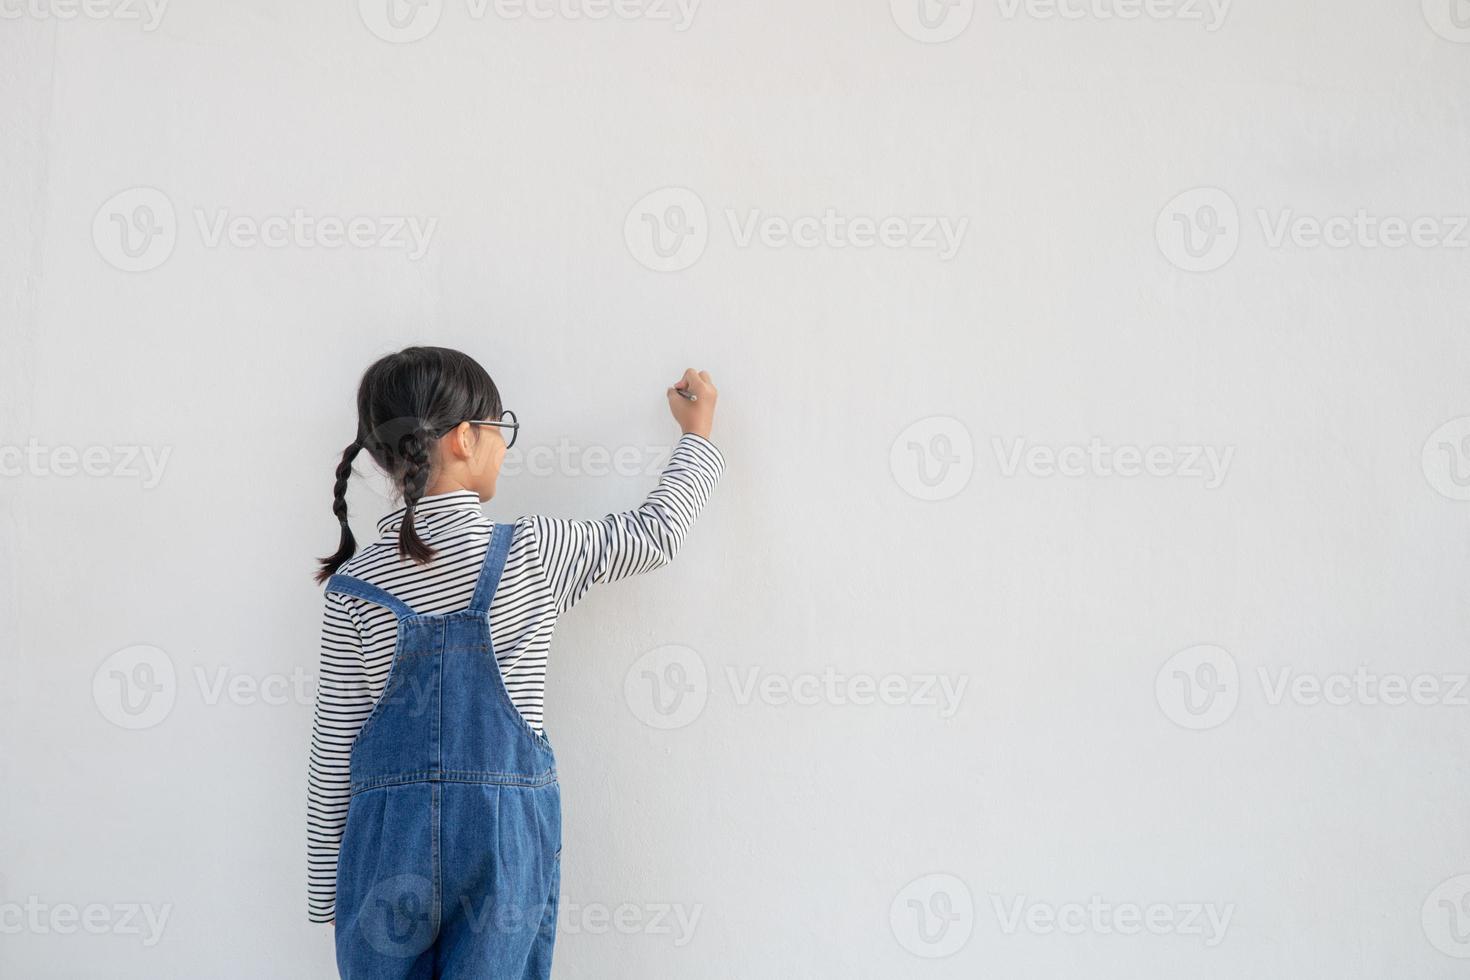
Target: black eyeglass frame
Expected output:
[513,425]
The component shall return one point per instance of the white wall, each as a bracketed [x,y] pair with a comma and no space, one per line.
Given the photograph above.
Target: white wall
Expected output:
[823,839]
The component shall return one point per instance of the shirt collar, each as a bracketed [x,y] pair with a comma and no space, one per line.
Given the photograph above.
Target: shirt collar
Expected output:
[459,502]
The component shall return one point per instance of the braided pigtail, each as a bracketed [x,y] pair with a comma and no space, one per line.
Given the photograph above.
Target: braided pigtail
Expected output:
[414,449]
[347,546]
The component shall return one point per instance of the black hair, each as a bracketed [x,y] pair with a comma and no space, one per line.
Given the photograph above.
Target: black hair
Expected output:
[405,402]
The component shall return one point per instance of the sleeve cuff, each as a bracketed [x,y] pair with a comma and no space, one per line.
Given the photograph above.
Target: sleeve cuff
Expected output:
[703,450]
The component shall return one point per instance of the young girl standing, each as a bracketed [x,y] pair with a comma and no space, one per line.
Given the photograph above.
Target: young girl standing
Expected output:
[434,816]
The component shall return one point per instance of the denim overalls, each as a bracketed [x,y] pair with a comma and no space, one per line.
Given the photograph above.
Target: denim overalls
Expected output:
[450,863]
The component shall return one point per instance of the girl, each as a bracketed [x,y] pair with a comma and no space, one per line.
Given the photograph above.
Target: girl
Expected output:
[434,817]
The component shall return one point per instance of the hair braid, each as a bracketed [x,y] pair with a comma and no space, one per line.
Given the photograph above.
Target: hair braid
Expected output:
[414,448]
[347,544]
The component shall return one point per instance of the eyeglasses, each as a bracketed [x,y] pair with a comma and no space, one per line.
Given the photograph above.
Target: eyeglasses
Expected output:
[507,421]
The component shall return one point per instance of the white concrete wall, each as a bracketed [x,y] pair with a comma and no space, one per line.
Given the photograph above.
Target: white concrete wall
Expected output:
[1116,750]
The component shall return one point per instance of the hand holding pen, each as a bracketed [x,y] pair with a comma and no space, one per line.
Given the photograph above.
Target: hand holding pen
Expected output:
[692,402]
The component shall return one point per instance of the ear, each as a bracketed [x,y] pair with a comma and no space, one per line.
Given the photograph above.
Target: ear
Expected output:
[459,442]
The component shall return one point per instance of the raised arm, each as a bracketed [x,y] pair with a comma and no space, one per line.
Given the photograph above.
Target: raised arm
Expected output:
[577,554]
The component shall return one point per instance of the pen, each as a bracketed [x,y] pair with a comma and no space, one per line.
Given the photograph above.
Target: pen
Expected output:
[687,394]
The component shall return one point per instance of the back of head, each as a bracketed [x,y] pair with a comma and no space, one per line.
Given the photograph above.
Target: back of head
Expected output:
[405,402]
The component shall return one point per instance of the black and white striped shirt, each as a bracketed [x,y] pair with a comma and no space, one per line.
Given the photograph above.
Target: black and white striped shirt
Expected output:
[551,565]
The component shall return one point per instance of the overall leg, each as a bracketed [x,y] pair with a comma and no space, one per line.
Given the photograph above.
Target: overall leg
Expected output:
[387,895]
[500,870]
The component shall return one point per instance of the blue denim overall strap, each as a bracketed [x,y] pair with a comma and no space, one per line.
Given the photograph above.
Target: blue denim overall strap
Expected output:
[489,580]
[449,864]
[347,585]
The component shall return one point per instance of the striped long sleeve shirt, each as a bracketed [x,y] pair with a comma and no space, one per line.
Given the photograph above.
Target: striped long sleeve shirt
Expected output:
[552,563]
